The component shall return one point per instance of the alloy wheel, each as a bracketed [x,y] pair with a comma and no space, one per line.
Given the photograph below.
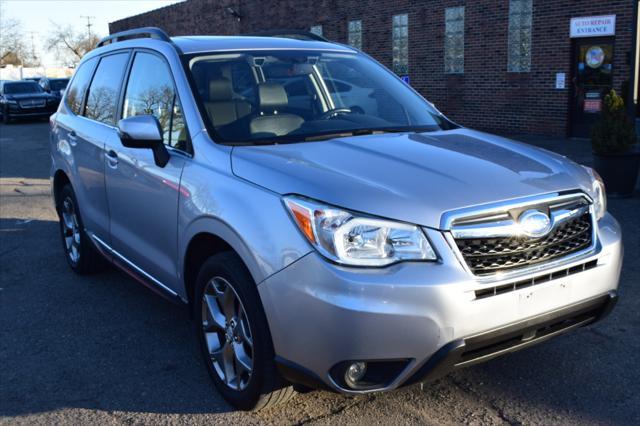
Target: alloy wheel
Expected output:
[71,229]
[227,334]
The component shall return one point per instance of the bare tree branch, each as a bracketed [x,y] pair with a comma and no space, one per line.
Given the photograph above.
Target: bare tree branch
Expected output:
[12,48]
[70,45]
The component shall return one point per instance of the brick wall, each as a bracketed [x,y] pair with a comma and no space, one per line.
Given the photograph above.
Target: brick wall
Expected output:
[486,96]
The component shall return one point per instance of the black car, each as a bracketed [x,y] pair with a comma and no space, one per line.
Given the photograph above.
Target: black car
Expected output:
[25,99]
[54,86]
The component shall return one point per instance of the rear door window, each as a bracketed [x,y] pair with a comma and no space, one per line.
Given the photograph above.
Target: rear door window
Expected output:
[105,88]
[75,94]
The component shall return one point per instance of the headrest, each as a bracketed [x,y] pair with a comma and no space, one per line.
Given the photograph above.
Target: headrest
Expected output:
[220,89]
[272,96]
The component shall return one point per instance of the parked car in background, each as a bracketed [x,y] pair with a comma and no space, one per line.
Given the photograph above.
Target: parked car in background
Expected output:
[23,98]
[54,86]
[356,240]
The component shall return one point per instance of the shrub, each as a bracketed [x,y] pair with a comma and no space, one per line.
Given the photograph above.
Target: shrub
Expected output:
[613,132]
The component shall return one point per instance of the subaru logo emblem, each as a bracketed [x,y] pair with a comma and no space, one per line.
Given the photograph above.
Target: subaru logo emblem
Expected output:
[534,223]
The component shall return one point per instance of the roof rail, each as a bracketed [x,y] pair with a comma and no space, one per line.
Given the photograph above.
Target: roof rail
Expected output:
[295,34]
[146,32]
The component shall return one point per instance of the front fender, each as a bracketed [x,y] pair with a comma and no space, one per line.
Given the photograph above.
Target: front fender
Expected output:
[251,219]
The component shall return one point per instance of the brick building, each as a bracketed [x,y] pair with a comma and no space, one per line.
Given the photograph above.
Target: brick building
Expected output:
[507,66]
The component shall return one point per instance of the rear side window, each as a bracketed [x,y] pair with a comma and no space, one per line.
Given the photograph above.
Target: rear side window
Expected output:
[105,88]
[78,87]
[146,95]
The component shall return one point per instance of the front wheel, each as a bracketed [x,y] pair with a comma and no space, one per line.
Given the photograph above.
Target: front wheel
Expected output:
[234,336]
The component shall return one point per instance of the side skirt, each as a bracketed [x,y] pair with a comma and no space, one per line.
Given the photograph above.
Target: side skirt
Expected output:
[134,271]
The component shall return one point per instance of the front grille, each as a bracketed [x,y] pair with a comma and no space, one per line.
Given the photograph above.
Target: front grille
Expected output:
[36,103]
[486,256]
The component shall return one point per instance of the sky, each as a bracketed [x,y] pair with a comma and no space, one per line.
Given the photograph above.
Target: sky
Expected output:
[36,16]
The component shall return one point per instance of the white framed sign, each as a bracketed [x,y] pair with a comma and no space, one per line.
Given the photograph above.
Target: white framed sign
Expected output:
[593,26]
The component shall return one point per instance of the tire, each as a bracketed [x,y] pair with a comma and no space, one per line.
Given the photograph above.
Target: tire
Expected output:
[224,277]
[6,118]
[79,251]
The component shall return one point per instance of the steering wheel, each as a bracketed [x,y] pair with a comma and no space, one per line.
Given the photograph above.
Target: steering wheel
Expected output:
[334,112]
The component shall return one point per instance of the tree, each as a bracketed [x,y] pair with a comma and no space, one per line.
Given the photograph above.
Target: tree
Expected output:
[613,132]
[71,45]
[12,48]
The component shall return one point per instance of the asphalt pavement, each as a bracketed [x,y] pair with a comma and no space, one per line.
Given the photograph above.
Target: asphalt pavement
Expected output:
[105,350]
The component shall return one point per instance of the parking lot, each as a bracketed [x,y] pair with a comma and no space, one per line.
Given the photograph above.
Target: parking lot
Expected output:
[104,349]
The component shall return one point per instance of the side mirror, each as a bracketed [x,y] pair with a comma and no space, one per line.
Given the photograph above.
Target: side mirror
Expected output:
[143,131]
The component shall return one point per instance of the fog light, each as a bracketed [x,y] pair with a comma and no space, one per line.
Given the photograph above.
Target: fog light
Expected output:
[355,373]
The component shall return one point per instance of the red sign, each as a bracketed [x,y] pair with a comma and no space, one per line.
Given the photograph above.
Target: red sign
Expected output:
[592,105]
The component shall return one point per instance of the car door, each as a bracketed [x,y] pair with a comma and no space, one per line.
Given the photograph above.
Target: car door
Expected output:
[143,197]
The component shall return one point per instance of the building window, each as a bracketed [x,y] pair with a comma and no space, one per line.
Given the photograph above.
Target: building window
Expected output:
[316,29]
[355,34]
[454,40]
[519,49]
[401,44]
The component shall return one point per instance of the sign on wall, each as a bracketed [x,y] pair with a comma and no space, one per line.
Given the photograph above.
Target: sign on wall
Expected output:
[593,26]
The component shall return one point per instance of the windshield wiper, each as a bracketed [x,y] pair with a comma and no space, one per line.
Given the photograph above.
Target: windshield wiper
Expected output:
[295,138]
[373,131]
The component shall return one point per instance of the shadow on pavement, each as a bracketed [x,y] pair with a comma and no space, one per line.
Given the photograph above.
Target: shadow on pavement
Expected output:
[100,342]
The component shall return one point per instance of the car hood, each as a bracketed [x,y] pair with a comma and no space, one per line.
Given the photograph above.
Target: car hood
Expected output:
[412,177]
[25,96]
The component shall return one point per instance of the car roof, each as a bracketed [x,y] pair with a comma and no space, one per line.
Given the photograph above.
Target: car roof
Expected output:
[195,44]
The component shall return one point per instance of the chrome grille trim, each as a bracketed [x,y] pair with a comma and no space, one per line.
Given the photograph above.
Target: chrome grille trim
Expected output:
[509,227]
[469,214]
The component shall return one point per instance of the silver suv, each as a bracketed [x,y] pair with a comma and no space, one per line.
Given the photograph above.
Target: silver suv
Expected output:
[326,225]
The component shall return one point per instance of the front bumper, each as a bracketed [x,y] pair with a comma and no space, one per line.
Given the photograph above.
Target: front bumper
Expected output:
[17,111]
[427,315]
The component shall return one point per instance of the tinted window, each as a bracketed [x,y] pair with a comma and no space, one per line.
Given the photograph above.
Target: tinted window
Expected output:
[58,84]
[155,96]
[20,88]
[78,87]
[105,87]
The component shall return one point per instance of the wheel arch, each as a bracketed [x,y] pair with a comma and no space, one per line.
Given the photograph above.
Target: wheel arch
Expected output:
[60,179]
[208,237]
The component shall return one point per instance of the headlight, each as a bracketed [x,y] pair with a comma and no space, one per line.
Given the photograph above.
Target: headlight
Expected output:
[352,239]
[599,193]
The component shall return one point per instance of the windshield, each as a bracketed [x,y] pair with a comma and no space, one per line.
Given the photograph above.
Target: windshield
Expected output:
[276,96]
[24,87]
[58,84]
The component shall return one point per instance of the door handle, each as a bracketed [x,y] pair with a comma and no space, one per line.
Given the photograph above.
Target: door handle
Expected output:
[73,139]
[112,159]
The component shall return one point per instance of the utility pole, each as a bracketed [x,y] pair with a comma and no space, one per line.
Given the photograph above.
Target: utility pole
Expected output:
[33,47]
[89,25]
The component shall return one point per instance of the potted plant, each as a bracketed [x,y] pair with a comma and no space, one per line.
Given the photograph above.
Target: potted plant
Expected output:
[613,139]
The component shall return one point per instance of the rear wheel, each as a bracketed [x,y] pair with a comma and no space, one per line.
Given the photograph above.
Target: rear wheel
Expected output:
[81,256]
[234,336]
